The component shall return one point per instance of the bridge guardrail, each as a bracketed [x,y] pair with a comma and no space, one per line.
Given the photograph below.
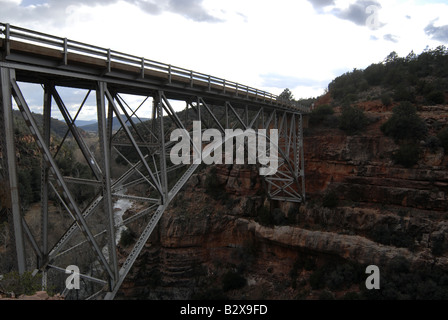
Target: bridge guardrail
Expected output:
[66,46]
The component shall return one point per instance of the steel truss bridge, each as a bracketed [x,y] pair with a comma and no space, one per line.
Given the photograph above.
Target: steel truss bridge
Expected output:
[114,81]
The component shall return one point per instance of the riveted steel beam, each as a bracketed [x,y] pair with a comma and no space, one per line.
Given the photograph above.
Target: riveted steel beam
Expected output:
[6,77]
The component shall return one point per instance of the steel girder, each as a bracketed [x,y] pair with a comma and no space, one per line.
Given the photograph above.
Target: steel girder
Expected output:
[92,226]
[9,168]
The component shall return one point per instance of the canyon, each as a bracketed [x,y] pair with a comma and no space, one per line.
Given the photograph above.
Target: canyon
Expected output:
[382,212]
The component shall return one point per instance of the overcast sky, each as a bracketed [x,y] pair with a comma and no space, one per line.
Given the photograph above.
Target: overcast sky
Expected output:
[271,45]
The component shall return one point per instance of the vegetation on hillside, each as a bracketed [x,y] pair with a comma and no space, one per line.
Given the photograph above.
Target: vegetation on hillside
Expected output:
[407,129]
[403,83]
[29,160]
[415,78]
[405,124]
[352,120]
[18,284]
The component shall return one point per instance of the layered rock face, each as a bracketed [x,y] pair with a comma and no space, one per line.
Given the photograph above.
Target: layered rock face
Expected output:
[384,211]
[360,168]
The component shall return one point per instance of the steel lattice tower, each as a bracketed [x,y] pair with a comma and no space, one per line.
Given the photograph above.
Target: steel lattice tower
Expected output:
[112,80]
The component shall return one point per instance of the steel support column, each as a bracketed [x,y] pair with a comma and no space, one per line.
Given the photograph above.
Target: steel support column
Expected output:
[106,178]
[302,157]
[9,148]
[164,180]
[44,182]
[27,115]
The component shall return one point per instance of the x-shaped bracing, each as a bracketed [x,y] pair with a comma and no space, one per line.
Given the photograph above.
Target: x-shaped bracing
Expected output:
[144,148]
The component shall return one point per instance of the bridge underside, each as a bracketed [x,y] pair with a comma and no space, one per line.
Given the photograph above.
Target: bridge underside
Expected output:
[131,162]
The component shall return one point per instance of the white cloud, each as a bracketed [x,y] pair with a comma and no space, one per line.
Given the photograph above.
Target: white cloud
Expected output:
[243,41]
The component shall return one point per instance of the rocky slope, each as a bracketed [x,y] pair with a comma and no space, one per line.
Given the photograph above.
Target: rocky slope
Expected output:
[383,212]
[360,168]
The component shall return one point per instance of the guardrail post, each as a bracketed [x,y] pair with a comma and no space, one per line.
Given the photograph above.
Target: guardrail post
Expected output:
[169,74]
[65,51]
[7,39]
[109,68]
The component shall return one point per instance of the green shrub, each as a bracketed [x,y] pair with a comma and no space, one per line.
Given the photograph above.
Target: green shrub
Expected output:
[319,114]
[337,276]
[210,294]
[438,245]
[443,137]
[404,124]
[265,217]
[407,155]
[347,86]
[275,217]
[384,235]
[402,240]
[293,216]
[374,74]
[435,97]
[211,180]
[400,281]
[352,120]
[317,279]
[326,295]
[232,281]
[386,99]
[21,283]
[279,217]
[309,264]
[212,186]
[352,296]
[330,200]
[404,93]
[349,98]
[433,143]
[380,234]
[127,237]
[154,278]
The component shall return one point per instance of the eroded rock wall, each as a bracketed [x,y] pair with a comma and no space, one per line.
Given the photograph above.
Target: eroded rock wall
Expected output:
[384,211]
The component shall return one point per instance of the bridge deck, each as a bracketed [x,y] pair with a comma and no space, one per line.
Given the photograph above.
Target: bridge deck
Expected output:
[37,49]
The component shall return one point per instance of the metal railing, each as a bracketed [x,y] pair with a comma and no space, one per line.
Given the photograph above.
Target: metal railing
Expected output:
[170,72]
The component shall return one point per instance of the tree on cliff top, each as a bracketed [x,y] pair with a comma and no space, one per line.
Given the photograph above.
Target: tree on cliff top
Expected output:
[398,75]
[286,95]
